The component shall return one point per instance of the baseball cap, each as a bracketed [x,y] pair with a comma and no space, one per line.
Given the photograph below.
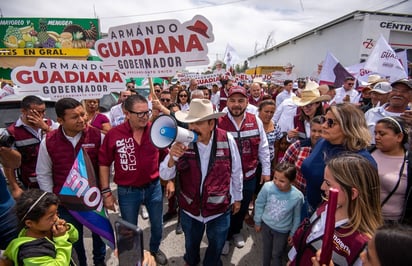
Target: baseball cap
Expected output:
[406,82]
[237,89]
[382,87]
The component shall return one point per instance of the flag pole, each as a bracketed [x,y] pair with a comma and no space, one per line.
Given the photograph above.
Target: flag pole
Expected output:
[152,91]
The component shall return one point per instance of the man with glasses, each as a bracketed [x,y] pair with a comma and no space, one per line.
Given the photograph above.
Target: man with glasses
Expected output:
[347,93]
[28,131]
[136,164]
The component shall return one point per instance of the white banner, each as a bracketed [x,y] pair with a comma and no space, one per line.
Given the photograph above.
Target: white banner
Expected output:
[157,48]
[384,61]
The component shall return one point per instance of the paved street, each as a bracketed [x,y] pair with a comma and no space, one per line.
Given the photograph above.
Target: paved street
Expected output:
[173,245]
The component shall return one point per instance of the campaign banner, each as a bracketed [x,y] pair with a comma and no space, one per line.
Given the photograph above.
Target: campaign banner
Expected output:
[48,36]
[81,196]
[333,73]
[58,79]
[209,79]
[156,48]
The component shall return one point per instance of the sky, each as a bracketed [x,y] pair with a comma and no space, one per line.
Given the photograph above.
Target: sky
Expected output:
[244,24]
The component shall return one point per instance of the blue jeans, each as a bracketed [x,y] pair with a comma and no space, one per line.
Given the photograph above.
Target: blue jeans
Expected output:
[274,244]
[8,227]
[236,220]
[130,199]
[99,247]
[216,232]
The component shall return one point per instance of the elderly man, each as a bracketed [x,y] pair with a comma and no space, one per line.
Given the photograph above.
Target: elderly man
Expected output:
[210,182]
[399,97]
[250,136]
[256,94]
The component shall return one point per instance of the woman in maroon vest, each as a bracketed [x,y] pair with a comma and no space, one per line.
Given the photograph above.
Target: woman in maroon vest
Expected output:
[357,216]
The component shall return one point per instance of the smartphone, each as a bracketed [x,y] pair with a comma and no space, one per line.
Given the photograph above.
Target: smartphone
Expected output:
[129,241]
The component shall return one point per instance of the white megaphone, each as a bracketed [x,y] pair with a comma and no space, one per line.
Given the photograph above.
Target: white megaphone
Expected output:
[164,131]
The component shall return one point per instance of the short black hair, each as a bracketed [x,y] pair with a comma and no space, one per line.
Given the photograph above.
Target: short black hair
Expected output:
[65,103]
[29,100]
[286,82]
[131,100]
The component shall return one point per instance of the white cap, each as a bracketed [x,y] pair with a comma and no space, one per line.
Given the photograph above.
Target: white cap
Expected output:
[382,87]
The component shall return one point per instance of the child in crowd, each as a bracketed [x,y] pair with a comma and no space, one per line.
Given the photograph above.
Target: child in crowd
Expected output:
[277,213]
[44,238]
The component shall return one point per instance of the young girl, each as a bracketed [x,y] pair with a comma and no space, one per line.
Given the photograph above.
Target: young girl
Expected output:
[44,238]
[277,213]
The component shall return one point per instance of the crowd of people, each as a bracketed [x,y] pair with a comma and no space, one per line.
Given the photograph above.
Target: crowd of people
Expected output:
[266,156]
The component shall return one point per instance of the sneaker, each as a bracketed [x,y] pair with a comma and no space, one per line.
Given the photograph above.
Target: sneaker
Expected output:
[160,257]
[145,214]
[238,240]
[225,249]
[179,229]
[169,216]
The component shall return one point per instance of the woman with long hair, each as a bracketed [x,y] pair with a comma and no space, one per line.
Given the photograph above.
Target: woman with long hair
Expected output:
[357,216]
[344,130]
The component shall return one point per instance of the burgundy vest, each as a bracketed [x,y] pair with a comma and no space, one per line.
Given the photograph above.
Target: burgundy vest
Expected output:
[247,140]
[63,154]
[223,99]
[28,145]
[215,196]
[346,249]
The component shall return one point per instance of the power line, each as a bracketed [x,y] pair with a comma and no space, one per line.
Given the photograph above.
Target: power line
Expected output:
[174,11]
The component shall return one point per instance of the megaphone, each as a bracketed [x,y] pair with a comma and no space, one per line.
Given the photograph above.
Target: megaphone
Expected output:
[164,131]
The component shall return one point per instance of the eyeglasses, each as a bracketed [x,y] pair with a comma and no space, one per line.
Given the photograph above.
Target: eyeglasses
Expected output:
[183,95]
[141,114]
[130,87]
[329,121]
[164,100]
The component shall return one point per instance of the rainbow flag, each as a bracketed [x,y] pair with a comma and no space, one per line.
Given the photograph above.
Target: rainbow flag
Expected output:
[81,196]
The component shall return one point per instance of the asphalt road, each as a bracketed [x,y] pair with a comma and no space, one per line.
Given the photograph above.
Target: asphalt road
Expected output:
[173,245]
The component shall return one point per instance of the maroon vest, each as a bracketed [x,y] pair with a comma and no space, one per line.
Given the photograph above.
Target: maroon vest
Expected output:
[215,196]
[346,249]
[252,100]
[247,140]
[28,145]
[63,154]
[223,99]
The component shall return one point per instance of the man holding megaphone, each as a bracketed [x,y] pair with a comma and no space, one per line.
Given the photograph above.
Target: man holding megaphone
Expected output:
[210,175]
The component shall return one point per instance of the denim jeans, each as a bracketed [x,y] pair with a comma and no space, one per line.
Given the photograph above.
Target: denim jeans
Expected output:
[8,227]
[274,244]
[99,247]
[236,221]
[216,232]
[130,199]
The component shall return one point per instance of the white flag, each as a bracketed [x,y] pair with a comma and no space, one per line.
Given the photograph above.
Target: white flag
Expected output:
[333,73]
[383,60]
[231,57]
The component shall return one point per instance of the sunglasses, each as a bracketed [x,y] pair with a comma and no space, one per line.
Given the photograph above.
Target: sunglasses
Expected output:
[130,87]
[157,91]
[165,100]
[141,114]
[351,84]
[329,121]
[183,95]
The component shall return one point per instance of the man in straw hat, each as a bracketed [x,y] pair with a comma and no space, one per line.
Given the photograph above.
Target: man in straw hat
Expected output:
[310,103]
[253,146]
[210,176]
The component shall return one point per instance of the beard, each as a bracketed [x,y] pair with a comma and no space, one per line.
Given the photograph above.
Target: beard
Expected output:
[237,112]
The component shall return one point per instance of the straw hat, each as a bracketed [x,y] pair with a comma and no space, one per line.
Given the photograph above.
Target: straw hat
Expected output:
[373,79]
[310,95]
[199,110]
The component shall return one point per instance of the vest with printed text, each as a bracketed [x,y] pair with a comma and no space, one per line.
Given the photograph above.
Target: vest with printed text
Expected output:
[346,249]
[213,197]
[28,145]
[63,155]
[247,140]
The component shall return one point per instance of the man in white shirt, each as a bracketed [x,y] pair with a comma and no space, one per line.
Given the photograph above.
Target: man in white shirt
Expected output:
[347,93]
[210,176]
[286,92]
